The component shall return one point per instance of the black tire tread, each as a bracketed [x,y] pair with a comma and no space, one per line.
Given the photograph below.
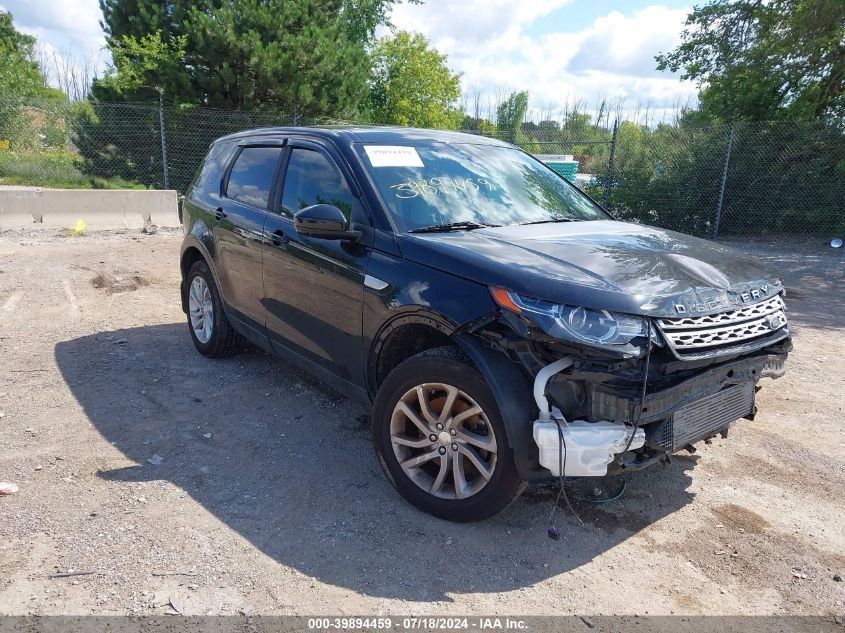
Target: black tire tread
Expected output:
[225,341]
[446,351]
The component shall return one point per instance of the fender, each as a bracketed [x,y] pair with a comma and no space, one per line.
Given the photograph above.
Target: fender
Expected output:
[512,390]
[410,314]
[201,239]
[414,293]
[413,314]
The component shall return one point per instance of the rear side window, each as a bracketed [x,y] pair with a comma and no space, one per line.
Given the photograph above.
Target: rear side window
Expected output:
[311,178]
[252,175]
[210,173]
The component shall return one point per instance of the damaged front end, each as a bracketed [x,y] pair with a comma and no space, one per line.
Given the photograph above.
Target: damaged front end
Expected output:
[661,385]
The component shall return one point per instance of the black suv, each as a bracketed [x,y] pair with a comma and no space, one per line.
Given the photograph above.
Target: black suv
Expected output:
[504,327]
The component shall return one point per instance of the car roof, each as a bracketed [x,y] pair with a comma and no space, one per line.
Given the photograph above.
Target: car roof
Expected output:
[370,134]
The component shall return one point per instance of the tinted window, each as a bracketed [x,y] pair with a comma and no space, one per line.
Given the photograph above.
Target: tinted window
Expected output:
[252,175]
[438,183]
[208,178]
[311,178]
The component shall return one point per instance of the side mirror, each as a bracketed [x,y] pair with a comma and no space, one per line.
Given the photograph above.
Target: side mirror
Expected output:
[325,222]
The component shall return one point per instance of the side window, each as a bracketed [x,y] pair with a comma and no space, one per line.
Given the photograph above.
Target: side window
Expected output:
[252,175]
[311,178]
[210,172]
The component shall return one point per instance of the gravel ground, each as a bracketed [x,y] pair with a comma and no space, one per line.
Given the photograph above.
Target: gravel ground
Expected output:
[244,486]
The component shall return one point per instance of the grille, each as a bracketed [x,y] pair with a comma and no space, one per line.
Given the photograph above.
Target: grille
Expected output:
[691,335]
[707,416]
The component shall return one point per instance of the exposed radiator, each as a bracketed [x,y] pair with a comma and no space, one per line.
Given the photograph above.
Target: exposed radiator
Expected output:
[707,416]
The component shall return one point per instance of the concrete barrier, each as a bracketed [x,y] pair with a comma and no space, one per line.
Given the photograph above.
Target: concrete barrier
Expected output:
[98,208]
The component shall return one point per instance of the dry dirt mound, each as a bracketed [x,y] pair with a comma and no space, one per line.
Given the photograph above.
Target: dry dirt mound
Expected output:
[113,283]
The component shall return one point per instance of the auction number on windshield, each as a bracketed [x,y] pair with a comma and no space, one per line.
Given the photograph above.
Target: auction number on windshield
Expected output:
[440,185]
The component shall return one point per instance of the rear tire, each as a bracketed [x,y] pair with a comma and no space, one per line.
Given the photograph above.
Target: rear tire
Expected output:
[211,332]
[443,459]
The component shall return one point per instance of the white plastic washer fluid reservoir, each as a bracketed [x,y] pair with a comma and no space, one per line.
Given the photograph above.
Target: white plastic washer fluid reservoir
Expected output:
[590,446]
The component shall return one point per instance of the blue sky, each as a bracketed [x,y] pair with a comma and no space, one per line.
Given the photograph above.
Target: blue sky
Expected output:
[579,15]
[562,51]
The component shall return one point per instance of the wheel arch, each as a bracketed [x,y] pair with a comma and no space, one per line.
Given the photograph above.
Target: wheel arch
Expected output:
[413,331]
[194,250]
[416,331]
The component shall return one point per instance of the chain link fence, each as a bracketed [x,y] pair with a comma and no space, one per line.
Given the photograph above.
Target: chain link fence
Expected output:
[732,180]
[718,180]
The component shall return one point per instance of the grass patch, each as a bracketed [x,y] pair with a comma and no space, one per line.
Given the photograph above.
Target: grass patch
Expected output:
[54,169]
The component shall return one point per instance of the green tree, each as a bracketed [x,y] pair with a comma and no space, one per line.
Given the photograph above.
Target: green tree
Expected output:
[668,176]
[306,58]
[139,64]
[20,75]
[274,61]
[511,112]
[411,84]
[21,84]
[755,60]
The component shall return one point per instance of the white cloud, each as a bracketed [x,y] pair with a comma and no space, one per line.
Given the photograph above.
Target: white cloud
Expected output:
[474,33]
[467,27]
[70,28]
[622,44]
[494,43]
[488,42]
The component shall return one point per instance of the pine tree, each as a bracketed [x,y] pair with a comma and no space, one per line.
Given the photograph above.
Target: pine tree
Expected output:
[306,58]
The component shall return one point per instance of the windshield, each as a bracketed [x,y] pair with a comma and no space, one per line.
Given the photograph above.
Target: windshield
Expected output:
[439,184]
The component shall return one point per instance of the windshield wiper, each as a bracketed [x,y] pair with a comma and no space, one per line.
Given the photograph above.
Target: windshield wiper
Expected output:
[451,226]
[550,221]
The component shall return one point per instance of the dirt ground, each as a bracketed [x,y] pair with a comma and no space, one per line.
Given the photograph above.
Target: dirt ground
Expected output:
[244,486]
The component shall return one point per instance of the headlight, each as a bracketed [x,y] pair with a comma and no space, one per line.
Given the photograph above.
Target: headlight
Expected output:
[598,328]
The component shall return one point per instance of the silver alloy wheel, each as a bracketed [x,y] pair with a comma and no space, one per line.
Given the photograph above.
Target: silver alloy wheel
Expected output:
[201,309]
[443,441]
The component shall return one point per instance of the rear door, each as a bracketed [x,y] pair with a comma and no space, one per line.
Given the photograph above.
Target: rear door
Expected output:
[246,194]
[313,288]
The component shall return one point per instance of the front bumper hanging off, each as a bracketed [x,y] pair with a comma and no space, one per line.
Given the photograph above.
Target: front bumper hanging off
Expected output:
[667,420]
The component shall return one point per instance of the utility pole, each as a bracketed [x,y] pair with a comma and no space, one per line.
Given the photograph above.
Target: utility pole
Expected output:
[163,138]
[717,220]
[609,181]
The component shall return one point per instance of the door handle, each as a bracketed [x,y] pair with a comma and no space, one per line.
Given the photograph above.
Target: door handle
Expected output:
[278,237]
[220,214]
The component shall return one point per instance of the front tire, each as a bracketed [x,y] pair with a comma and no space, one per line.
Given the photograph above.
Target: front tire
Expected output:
[211,332]
[440,438]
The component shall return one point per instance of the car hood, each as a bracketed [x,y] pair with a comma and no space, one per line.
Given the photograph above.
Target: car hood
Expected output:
[600,264]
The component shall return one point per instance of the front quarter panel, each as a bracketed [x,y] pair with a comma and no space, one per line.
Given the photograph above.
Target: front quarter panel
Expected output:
[417,293]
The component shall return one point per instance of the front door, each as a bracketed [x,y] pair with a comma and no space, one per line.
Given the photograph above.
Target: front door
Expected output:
[313,288]
[239,231]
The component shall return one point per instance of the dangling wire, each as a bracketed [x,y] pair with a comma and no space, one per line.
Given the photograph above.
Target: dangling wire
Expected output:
[553,531]
[618,495]
[561,456]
